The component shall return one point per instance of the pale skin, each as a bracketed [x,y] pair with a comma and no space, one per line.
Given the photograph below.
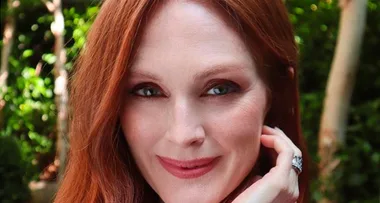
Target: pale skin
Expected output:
[193,91]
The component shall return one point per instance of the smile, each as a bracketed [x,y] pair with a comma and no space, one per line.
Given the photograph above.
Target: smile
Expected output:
[188,169]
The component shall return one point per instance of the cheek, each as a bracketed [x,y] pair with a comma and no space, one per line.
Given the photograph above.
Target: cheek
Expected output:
[238,128]
[140,126]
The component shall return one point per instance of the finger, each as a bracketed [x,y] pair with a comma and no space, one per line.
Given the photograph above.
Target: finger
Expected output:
[278,131]
[284,150]
[257,178]
[297,151]
[268,130]
[293,177]
[286,176]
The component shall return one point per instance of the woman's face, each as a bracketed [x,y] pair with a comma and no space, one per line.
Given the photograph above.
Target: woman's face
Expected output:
[194,105]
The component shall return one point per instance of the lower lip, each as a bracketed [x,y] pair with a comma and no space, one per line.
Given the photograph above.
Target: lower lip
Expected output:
[190,173]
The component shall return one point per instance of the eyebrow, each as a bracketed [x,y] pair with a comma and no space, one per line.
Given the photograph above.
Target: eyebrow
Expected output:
[215,69]
[142,74]
[218,69]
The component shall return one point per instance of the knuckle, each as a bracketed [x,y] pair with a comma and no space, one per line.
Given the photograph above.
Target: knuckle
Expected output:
[272,170]
[277,139]
[289,152]
[280,140]
[298,152]
[295,195]
[279,130]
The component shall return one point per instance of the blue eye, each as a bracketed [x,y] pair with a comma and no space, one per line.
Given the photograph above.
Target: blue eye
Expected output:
[147,91]
[223,89]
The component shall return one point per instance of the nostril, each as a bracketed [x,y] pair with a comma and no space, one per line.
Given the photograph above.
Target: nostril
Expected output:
[185,135]
[199,135]
[197,141]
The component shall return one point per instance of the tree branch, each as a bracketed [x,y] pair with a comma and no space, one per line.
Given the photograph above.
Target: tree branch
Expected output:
[339,88]
[344,3]
[9,29]
[49,5]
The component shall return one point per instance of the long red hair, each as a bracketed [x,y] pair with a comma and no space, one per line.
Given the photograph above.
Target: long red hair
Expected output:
[100,167]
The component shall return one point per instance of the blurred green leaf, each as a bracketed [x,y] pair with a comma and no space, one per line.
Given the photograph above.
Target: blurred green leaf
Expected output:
[27,53]
[49,58]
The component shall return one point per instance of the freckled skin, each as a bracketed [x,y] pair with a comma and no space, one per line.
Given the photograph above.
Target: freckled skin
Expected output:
[181,40]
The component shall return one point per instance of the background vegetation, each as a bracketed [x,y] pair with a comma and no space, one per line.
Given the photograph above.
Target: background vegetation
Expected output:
[28,133]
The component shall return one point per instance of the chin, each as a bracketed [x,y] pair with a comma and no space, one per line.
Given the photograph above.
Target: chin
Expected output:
[195,198]
[195,193]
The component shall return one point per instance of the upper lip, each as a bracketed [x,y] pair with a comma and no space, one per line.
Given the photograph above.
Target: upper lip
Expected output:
[188,163]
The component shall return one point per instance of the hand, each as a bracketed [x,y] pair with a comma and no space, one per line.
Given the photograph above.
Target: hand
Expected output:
[280,184]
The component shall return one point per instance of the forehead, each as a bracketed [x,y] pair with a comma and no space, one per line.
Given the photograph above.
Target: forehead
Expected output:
[179,32]
[184,19]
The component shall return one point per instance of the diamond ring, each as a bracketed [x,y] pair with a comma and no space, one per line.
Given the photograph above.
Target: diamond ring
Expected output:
[297,164]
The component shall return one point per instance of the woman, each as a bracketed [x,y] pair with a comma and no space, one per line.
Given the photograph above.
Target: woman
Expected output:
[172,101]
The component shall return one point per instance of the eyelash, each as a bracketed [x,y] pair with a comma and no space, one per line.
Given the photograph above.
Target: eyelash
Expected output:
[141,86]
[232,87]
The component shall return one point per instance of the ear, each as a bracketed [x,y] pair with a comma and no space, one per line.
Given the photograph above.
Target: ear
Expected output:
[291,72]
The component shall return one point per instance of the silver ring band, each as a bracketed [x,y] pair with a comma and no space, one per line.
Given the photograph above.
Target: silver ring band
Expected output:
[297,164]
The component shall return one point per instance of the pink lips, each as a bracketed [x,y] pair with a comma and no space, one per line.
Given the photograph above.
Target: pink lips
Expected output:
[188,169]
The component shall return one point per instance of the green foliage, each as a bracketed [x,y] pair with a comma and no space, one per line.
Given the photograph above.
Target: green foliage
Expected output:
[316,27]
[77,23]
[29,115]
[14,184]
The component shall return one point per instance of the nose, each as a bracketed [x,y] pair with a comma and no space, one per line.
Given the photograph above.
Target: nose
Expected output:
[185,126]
